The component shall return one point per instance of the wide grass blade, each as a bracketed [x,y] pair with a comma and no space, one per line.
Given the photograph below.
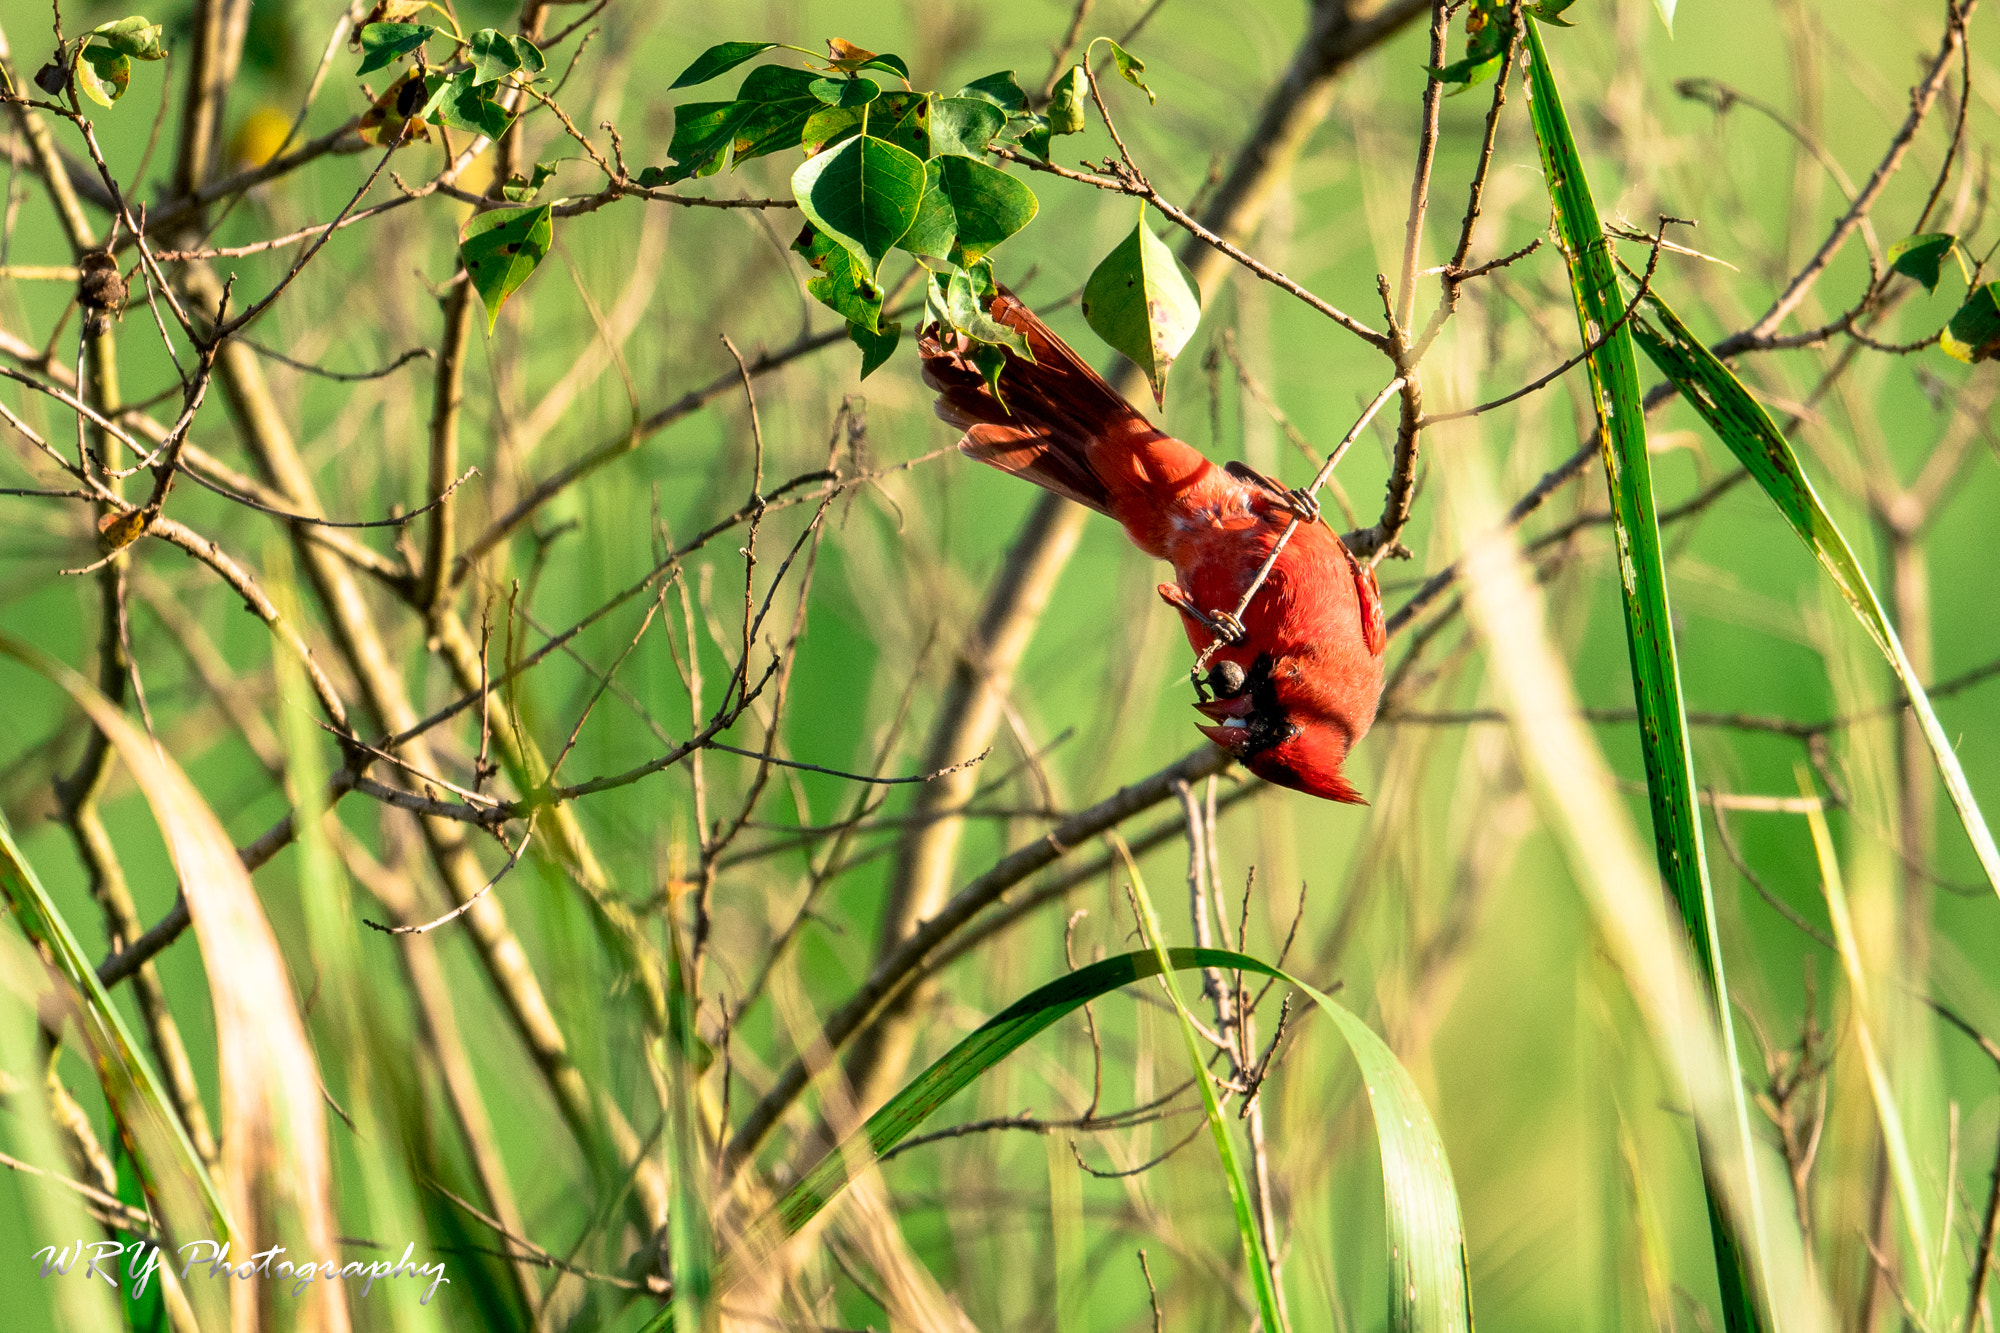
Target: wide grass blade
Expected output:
[276,1163]
[1573,787]
[1255,1253]
[1614,383]
[1427,1286]
[1741,422]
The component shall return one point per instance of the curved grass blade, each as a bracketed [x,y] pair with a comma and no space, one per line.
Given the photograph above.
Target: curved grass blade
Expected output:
[1426,1237]
[1614,384]
[184,1195]
[276,1161]
[1256,1252]
[1741,422]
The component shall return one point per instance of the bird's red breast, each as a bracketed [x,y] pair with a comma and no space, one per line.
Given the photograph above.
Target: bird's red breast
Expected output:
[1302,685]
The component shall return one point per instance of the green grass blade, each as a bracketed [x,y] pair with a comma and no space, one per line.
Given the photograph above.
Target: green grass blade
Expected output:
[1262,1280]
[188,1204]
[1614,383]
[1426,1237]
[1741,422]
[1896,1143]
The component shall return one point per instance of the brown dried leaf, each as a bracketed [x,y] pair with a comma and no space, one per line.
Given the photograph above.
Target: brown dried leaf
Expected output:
[845,55]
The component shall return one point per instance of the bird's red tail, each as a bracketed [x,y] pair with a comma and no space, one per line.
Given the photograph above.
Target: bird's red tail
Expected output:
[1055,421]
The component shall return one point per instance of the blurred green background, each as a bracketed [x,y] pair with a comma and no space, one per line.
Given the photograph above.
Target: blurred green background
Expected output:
[1443,910]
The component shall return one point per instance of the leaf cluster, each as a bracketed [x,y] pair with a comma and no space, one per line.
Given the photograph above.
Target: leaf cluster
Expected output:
[903,169]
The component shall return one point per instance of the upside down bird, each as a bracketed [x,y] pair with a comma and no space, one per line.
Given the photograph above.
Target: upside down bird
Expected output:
[1295,683]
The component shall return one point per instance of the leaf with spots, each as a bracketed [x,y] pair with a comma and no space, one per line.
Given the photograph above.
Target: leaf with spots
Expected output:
[784,101]
[1741,422]
[841,286]
[1142,302]
[501,248]
[400,105]
[1649,636]
[103,74]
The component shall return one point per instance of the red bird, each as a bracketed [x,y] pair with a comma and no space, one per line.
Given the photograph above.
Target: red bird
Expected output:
[1297,682]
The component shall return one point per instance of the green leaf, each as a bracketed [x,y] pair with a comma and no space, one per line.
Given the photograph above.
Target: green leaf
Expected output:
[1256,1252]
[842,286]
[988,204]
[1741,422]
[845,92]
[784,101]
[877,345]
[889,64]
[703,134]
[963,301]
[1922,256]
[1974,332]
[520,189]
[964,125]
[718,60]
[1614,380]
[1487,32]
[501,248]
[1065,111]
[999,89]
[103,74]
[463,105]
[1426,1242]
[382,43]
[864,194]
[1142,302]
[901,118]
[1130,66]
[135,37]
[936,227]
[494,56]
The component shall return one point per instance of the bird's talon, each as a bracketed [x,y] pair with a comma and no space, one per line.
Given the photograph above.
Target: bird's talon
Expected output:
[1227,627]
[1304,506]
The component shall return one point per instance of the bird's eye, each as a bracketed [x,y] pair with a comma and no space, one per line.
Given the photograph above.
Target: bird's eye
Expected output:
[1225,680]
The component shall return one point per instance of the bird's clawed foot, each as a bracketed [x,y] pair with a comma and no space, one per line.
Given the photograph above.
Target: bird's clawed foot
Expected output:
[1226,626]
[1304,506]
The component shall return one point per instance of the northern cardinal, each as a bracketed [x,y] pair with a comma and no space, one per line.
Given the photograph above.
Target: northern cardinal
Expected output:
[1296,684]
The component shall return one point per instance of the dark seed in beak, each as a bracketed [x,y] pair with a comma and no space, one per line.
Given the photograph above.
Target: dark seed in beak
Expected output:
[1225,679]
